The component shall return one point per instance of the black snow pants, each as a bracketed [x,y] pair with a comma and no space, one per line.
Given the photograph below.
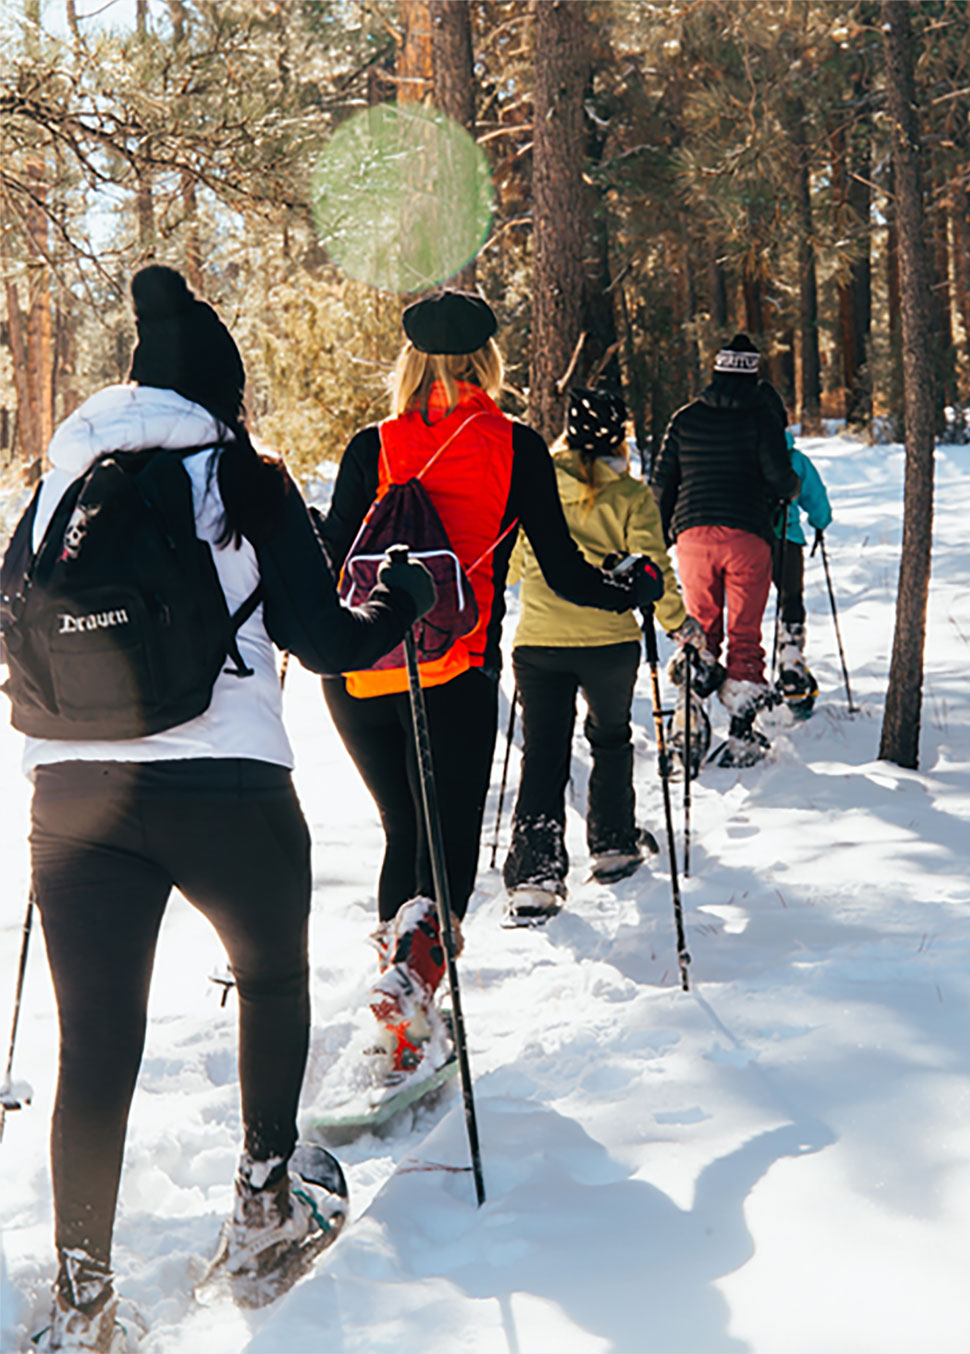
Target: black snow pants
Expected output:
[109,841]
[377,732]
[547,679]
[788,576]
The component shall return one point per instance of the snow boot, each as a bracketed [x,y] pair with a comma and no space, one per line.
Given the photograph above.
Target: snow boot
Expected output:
[707,675]
[609,867]
[745,745]
[700,736]
[795,683]
[533,904]
[85,1307]
[284,1215]
[412,958]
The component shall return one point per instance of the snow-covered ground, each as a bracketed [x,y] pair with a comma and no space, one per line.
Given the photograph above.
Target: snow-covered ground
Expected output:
[776,1163]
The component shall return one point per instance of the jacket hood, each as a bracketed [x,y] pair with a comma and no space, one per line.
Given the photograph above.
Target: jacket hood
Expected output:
[120,418]
[130,418]
[569,467]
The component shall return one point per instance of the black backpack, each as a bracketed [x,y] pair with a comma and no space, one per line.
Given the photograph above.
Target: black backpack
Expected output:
[117,626]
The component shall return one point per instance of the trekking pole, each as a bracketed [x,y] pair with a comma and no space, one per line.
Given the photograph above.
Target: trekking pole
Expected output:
[505,774]
[650,641]
[779,589]
[688,756]
[820,542]
[432,818]
[8,1101]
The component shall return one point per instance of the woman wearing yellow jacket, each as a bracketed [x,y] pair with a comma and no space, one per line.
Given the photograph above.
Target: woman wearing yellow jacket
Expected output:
[561,648]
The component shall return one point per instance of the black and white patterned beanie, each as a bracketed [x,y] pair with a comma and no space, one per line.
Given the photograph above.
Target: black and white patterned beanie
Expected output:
[738,358]
[595,422]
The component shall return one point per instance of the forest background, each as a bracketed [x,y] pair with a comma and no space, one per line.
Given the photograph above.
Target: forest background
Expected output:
[662,174]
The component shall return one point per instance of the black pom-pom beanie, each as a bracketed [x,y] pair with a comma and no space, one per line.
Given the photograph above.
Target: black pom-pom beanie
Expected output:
[183,345]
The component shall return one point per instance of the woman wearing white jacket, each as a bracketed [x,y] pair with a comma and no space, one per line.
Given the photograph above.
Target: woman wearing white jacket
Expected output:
[207,806]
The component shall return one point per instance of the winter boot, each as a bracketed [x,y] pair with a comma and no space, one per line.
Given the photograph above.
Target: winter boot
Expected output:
[402,1000]
[745,745]
[533,904]
[85,1306]
[609,867]
[706,673]
[700,736]
[795,683]
[283,1216]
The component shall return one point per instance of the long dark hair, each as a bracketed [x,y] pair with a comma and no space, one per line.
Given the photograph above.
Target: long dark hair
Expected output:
[253,488]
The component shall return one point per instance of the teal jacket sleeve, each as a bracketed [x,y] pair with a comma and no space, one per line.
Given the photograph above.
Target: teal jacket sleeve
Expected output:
[812,499]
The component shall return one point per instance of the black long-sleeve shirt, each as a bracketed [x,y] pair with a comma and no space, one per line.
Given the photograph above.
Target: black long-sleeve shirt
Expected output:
[533,502]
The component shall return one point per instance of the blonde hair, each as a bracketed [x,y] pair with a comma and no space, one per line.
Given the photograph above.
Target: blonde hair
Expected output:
[415,373]
[588,462]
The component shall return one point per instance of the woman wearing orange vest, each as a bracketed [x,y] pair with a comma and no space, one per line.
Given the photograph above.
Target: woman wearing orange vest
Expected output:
[492,474]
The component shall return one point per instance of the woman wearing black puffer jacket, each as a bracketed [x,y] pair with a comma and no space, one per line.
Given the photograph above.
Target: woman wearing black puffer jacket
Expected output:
[720,473]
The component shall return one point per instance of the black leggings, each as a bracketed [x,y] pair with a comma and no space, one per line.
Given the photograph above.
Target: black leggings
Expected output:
[376,731]
[788,576]
[109,841]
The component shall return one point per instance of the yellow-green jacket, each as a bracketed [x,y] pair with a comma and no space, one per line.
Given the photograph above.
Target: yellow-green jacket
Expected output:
[623,520]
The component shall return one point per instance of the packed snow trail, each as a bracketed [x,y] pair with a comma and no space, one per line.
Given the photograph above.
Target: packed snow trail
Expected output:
[775,1163]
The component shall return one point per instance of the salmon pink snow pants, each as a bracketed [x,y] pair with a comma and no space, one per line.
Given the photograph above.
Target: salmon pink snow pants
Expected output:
[724,567]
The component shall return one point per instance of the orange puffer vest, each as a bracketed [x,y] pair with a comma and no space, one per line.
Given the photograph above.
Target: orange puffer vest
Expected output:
[469,486]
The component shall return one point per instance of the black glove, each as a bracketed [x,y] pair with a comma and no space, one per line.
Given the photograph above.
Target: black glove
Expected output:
[413,578]
[648,582]
[642,577]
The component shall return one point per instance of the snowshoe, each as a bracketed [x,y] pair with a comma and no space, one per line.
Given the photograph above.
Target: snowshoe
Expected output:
[609,867]
[795,684]
[646,838]
[744,745]
[798,688]
[534,904]
[379,1105]
[278,1228]
[700,737]
[84,1319]
[412,959]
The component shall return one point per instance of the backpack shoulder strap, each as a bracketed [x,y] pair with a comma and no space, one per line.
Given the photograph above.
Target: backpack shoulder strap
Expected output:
[237,620]
[384,460]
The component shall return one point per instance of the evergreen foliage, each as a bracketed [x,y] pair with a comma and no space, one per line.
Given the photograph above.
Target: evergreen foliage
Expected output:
[735,165]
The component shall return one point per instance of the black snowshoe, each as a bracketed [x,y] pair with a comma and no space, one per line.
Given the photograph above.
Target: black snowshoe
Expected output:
[744,746]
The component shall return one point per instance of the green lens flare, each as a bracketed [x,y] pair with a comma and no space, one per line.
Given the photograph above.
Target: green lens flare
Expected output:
[402,197]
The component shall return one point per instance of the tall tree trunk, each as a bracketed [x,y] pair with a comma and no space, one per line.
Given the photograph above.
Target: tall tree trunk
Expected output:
[454,82]
[940,271]
[561,65]
[810,400]
[859,394]
[894,395]
[850,181]
[901,721]
[415,63]
[753,301]
[29,444]
[39,338]
[144,189]
[718,291]
[960,222]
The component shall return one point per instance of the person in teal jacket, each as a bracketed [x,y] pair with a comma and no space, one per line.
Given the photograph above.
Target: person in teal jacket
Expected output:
[795,682]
